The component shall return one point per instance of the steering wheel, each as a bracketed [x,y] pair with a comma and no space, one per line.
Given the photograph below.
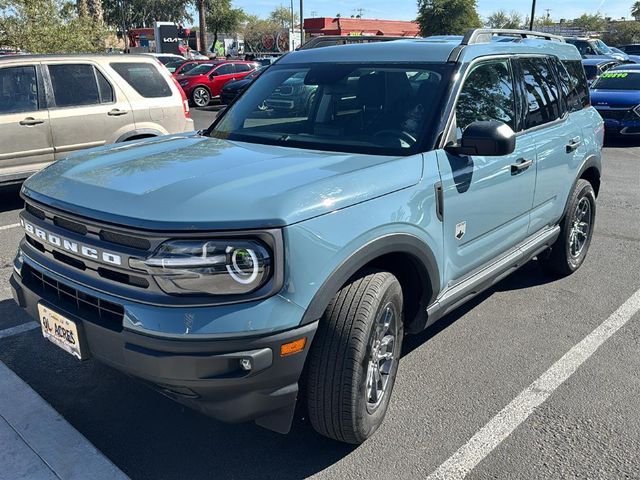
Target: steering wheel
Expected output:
[399,134]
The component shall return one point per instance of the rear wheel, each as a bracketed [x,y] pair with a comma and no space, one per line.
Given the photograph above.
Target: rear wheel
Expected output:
[200,97]
[354,358]
[576,230]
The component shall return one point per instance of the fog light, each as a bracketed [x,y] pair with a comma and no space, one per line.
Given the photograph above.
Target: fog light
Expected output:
[245,364]
[293,347]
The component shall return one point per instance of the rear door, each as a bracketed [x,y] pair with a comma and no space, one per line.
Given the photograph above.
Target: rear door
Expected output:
[557,136]
[221,75]
[87,110]
[487,200]
[24,121]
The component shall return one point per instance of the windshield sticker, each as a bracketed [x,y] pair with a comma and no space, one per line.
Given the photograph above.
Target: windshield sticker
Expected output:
[614,75]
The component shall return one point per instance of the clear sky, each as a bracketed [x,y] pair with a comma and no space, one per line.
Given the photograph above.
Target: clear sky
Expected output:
[406,9]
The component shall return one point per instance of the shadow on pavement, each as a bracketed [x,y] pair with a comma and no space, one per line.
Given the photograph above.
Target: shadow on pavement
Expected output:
[10,198]
[149,436]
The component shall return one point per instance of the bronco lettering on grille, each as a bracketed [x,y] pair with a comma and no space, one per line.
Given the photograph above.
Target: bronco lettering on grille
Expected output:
[71,246]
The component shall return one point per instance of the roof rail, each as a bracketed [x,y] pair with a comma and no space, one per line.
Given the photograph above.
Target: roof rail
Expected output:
[484,35]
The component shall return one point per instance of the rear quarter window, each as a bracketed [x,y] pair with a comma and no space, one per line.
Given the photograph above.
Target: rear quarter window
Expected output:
[574,84]
[144,78]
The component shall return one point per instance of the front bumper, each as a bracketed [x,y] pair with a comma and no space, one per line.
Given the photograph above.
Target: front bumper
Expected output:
[203,374]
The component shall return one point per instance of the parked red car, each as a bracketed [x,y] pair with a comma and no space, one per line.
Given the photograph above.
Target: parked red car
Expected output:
[203,83]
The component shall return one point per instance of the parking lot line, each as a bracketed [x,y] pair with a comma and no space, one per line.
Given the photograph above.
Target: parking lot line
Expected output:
[63,449]
[506,421]
[25,327]
[8,227]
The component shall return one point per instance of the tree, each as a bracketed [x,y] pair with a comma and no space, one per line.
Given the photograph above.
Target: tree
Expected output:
[142,13]
[635,10]
[282,16]
[202,23]
[222,17]
[452,17]
[255,29]
[590,22]
[502,19]
[622,33]
[95,9]
[83,8]
[48,26]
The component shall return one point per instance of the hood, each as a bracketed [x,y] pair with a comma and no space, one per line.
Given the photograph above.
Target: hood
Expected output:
[615,98]
[195,182]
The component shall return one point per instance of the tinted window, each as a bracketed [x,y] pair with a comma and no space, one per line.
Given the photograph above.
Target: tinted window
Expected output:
[542,91]
[242,67]
[144,78]
[379,109]
[574,84]
[18,89]
[631,49]
[487,94]
[74,85]
[618,81]
[225,69]
[200,69]
[104,87]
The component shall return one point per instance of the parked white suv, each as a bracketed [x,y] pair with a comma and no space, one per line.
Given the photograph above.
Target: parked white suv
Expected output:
[53,105]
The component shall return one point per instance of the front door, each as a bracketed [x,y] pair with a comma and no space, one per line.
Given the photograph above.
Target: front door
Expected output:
[87,111]
[24,122]
[487,200]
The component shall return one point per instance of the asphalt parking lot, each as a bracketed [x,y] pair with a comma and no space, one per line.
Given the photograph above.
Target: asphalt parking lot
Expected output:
[453,379]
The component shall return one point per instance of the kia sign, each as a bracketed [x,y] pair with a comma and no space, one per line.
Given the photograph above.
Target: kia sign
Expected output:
[167,39]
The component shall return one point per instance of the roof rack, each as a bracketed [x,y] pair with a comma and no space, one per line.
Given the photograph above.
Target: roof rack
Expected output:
[484,35]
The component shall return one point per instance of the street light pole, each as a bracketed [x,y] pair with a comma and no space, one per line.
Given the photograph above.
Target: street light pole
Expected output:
[533,14]
[301,22]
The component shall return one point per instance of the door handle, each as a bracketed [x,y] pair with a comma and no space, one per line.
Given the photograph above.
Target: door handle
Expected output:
[573,145]
[520,166]
[116,113]
[30,121]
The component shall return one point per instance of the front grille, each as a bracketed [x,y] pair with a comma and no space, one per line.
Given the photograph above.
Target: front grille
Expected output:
[70,225]
[125,240]
[618,115]
[74,301]
[284,90]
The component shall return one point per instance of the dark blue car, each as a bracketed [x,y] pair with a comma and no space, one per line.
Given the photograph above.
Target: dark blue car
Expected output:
[616,96]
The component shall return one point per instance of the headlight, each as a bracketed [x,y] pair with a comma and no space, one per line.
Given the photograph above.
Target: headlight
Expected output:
[636,110]
[209,267]
[184,83]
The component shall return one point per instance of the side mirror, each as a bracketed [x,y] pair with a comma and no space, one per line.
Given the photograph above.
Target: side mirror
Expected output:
[486,138]
[213,74]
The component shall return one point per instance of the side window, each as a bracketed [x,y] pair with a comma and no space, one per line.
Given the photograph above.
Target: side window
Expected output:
[242,67]
[487,94]
[18,90]
[144,78]
[543,98]
[574,84]
[104,87]
[225,69]
[74,85]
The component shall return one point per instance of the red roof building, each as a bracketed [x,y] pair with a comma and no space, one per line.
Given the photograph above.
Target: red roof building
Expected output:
[360,26]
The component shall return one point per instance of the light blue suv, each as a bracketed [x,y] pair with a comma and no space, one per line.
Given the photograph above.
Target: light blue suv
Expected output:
[282,255]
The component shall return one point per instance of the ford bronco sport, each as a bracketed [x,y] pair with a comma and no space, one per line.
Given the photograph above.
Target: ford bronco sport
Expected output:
[283,254]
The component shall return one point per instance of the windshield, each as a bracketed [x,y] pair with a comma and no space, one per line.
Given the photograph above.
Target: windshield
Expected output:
[200,69]
[172,66]
[384,109]
[618,81]
[590,47]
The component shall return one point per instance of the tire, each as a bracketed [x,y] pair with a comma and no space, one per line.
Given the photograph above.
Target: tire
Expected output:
[576,230]
[340,403]
[200,97]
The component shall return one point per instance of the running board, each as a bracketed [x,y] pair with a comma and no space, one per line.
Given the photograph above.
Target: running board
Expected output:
[497,270]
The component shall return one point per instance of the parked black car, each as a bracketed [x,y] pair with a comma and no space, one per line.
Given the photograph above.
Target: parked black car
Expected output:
[234,88]
[594,67]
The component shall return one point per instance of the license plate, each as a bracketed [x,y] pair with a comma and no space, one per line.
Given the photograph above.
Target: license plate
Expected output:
[60,331]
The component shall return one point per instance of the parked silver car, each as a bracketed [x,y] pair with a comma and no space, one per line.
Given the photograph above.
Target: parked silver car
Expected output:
[53,105]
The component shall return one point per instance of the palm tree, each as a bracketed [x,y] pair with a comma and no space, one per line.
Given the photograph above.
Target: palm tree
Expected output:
[202,25]
[95,9]
[635,10]
[83,8]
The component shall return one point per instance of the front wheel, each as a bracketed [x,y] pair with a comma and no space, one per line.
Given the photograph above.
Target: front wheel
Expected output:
[576,230]
[200,97]
[354,358]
